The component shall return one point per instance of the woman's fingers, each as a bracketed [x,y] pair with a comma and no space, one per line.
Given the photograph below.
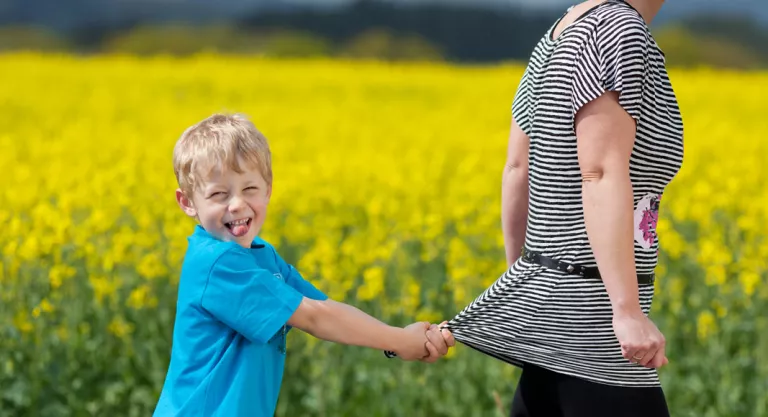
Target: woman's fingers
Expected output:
[641,342]
[650,354]
[630,351]
[647,357]
[659,359]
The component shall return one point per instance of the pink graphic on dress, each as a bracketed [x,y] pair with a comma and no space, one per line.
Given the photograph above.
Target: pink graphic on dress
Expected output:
[646,217]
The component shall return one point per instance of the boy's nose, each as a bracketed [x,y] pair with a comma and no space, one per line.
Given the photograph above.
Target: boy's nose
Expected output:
[236,204]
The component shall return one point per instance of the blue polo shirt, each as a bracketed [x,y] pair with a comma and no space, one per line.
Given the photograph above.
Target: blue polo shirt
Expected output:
[228,347]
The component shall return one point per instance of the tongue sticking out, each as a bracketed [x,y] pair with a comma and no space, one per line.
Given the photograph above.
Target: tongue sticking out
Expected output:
[240,229]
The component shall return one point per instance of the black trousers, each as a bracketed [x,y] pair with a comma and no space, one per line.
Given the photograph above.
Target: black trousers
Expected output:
[543,393]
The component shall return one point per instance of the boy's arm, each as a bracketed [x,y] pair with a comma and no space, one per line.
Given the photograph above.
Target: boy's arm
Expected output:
[342,323]
[437,346]
[256,304]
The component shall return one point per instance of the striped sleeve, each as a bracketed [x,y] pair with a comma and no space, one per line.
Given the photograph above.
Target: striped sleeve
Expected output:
[520,105]
[614,58]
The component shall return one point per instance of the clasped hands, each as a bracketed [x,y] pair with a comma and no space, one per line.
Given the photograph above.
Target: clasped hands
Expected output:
[425,342]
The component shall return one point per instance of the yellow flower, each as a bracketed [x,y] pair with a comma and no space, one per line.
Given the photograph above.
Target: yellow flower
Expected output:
[141,297]
[715,275]
[705,325]
[430,316]
[373,284]
[58,273]
[749,281]
[21,322]
[151,266]
[119,327]
[45,306]
[104,286]
[720,309]
[62,333]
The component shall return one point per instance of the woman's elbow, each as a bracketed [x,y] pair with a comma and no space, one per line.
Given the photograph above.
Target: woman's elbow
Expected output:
[515,172]
[592,175]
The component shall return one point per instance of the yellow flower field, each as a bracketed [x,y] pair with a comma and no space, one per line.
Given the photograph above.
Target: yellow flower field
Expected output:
[386,195]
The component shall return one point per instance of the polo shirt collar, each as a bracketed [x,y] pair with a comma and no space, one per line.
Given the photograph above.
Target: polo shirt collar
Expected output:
[201,232]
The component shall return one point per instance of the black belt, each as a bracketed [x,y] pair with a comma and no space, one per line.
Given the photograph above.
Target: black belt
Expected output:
[574,269]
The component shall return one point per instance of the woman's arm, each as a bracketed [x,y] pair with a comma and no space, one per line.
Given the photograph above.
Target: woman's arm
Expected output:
[605,138]
[514,193]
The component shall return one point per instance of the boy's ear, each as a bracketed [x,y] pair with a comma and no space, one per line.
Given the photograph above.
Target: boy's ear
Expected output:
[185,203]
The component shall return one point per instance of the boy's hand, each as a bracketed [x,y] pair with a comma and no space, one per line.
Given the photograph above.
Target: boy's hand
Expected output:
[414,344]
[439,341]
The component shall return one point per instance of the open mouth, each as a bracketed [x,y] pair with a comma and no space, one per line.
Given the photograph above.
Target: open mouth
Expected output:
[239,227]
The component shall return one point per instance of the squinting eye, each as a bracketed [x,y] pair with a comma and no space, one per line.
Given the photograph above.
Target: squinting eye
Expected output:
[252,188]
[216,194]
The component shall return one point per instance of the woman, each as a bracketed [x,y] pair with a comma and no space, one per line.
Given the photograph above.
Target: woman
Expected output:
[596,136]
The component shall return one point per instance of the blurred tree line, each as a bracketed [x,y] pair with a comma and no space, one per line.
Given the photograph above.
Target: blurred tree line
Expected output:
[372,30]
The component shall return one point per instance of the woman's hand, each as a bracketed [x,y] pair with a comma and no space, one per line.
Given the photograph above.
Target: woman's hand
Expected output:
[640,339]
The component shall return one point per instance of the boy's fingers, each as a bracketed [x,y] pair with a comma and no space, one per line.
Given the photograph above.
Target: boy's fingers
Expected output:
[447,335]
[437,341]
[433,355]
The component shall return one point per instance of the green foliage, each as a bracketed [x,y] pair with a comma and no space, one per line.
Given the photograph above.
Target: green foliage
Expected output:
[24,38]
[286,44]
[705,42]
[183,40]
[385,45]
[684,48]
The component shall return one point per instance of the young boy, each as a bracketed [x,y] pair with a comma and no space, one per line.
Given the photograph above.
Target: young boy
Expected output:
[238,298]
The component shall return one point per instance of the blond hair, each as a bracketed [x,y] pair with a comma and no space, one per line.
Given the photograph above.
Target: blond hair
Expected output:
[219,141]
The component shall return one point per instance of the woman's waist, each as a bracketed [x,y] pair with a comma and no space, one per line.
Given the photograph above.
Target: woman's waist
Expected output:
[582,254]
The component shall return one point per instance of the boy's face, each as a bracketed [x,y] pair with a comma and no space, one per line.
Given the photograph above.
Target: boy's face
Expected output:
[229,206]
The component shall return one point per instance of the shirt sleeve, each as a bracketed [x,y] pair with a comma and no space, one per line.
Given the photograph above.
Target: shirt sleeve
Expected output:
[614,58]
[521,107]
[248,299]
[296,281]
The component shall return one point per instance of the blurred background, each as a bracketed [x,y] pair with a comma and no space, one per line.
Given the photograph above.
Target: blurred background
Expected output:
[388,124]
[721,33]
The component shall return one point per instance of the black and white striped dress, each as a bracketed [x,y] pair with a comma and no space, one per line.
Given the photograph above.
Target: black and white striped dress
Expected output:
[536,315]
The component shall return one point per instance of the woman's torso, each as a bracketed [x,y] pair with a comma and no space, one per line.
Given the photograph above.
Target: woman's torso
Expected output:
[543,107]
